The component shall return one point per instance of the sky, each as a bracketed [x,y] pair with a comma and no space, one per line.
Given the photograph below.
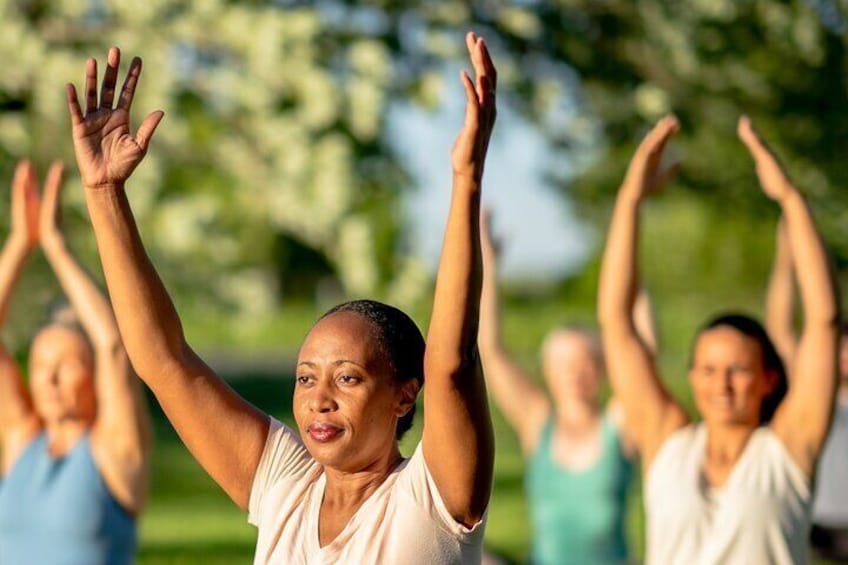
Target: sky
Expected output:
[541,237]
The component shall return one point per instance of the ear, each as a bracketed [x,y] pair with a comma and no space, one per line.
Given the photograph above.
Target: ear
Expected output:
[771,381]
[408,394]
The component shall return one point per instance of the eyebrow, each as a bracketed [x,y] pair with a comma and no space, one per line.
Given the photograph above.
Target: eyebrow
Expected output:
[312,365]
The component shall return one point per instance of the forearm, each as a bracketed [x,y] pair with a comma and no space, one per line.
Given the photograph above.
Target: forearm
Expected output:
[618,283]
[148,322]
[816,284]
[12,260]
[779,298]
[452,336]
[89,303]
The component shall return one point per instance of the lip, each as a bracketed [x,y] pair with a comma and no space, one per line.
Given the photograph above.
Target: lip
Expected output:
[324,432]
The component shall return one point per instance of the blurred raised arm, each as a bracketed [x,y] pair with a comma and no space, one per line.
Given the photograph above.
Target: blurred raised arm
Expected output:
[649,410]
[779,298]
[121,436]
[458,442]
[523,404]
[18,422]
[225,433]
[803,418]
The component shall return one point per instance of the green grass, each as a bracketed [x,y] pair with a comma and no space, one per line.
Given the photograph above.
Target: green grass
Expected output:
[190,520]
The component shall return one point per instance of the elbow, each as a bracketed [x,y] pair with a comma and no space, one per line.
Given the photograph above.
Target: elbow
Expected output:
[453,366]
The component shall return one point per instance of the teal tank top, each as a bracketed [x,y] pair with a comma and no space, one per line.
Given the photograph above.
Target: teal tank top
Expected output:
[59,511]
[578,517]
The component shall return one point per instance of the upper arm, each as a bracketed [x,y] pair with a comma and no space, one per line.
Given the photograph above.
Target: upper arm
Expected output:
[522,403]
[457,441]
[121,436]
[803,419]
[18,421]
[224,432]
[650,413]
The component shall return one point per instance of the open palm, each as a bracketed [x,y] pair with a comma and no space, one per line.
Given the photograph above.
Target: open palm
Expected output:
[469,150]
[773,178]
[107,153]
[644,174]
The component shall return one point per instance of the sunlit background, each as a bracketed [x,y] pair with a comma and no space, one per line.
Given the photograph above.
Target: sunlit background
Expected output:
[303,160]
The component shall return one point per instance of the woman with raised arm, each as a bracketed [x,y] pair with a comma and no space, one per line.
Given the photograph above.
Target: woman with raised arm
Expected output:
[340,492]
[829,536]
[578,457]
[75,445]
[735,488]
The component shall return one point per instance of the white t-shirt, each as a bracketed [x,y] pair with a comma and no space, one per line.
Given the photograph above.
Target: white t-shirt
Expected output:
[760,515]
[403,521]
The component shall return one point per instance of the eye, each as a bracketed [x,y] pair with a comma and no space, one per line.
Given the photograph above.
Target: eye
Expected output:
[349,379]
[304,379]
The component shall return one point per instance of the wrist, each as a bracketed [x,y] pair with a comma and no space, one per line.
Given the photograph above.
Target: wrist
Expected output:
[468,180]
[52,241]
[104,187]
[630,195]
[789,195]
[19,244]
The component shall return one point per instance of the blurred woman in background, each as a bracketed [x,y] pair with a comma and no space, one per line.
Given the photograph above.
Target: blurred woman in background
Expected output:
[830,505]
[737,487]
[340,491]
[75,444]
[579,460]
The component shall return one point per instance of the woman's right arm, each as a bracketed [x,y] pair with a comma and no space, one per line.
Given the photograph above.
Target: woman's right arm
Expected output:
[523,405]
[649,410]
[225,433]
[18,422]
[780,300]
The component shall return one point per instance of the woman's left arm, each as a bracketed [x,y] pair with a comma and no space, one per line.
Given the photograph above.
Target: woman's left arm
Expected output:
[803,419]
[121,437]
[458,440]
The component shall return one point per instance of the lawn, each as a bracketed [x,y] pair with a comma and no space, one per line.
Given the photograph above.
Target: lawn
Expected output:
[190,520]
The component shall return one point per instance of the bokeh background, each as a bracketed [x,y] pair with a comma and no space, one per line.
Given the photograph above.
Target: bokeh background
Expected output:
[304,160]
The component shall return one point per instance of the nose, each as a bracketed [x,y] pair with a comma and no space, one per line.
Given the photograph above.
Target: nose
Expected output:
[321,399]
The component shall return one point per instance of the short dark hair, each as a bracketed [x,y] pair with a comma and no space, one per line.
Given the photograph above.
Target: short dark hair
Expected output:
[401,341]
[772,362]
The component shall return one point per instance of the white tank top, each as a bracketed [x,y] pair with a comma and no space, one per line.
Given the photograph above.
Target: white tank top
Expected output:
[760,515]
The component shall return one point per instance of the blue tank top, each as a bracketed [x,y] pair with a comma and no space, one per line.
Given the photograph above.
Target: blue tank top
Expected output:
[578,517]
[59,511]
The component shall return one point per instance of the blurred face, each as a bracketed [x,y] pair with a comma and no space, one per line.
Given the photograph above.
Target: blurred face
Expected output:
[727,377]
[346,401]
[572,368]
[62,376]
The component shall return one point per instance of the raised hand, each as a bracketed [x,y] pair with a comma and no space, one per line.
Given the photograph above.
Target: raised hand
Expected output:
[644,176]
[107,153]
[25,206]
[469,150]
[773,178]
[50,218]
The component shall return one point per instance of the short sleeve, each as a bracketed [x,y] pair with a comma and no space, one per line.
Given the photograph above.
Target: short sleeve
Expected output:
[417,481]
[284,457]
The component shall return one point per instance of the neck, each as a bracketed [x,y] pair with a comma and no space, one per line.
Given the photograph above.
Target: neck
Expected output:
[346,488]
[725,443]
[63,434]
[573,411]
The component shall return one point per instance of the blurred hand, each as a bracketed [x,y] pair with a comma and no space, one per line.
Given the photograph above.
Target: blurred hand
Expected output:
[106,152]
[469,149]
[25,206]
[644,176]
[50,219]
[774,181]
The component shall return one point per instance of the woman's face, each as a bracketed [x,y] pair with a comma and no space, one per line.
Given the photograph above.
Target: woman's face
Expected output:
[346,401]
[572,367]
[61,376]
[728,379]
